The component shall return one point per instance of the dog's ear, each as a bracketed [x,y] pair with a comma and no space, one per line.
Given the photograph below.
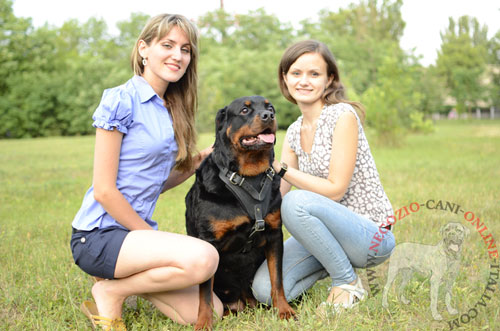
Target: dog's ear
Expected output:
[466,230]
[220,118]
[443,228]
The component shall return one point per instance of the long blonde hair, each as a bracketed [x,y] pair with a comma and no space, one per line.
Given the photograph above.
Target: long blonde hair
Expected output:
[182,96]
[335,92]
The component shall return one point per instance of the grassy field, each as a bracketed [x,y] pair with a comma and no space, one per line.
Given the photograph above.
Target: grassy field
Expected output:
[42,183]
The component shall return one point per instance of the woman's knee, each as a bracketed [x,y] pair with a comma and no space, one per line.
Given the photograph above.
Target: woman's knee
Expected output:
[204,265]
[292,206]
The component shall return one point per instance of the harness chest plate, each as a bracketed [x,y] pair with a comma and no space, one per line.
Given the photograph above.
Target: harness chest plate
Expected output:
[255,202]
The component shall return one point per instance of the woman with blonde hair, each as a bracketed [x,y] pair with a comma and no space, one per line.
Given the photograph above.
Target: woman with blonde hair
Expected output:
[145,140]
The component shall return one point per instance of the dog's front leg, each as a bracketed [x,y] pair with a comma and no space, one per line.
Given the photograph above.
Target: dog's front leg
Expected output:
[450,308]
[274,256]
[435,282]
[450,280]
[393,272]
[405,279]
[205,313]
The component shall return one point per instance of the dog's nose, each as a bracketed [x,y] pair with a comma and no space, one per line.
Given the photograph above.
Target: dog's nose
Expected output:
[267,116]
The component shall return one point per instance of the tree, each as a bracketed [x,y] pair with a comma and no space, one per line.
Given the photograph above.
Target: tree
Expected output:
[432,87]
[129,31]
[365,41]
[215,27]
[393,100]
[12,34]
[462,61]
[240,56]
[53,78]
[494,70]
[360,37]
[259,30]
[28,55]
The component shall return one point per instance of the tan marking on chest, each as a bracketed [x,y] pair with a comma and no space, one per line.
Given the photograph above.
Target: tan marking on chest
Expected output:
[221,227]
[250,166]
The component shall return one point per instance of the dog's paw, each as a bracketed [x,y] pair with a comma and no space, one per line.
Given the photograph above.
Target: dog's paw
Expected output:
[203,325]
[404,300]
[287,313]
[437,316]
[204,322]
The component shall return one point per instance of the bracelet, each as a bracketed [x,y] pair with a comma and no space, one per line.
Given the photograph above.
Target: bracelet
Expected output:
[284,168]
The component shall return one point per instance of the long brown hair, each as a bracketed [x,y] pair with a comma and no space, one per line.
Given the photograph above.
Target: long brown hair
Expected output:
[335,92]
[182,96]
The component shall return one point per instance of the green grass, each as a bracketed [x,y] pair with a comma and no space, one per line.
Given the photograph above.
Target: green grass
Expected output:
[42,183]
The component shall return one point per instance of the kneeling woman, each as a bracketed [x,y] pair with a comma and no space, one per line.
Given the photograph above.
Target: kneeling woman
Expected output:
[340,205]
[144,139]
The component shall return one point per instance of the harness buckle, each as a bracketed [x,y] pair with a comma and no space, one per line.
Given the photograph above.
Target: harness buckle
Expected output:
[233,181]
[260,225]
[270,173]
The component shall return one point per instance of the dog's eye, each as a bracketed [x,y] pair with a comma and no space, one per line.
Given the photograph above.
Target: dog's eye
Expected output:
[271,108]
[244,111]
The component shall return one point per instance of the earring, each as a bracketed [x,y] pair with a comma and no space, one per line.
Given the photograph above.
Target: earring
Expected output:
[144,61]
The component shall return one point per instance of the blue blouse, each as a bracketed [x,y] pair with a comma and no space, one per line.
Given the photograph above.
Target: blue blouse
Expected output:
[147,154]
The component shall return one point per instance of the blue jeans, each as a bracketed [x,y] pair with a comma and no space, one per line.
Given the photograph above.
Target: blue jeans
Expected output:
[327,239]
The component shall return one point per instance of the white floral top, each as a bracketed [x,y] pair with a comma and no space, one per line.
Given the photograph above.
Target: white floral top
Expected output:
[365,194]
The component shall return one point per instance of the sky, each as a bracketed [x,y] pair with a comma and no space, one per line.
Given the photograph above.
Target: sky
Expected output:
[425,19]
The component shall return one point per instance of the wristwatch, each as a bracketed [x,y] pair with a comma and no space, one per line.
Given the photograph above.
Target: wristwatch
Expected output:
[284,168]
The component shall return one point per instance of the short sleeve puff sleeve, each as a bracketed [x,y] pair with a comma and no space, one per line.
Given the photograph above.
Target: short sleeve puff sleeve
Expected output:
[114,111]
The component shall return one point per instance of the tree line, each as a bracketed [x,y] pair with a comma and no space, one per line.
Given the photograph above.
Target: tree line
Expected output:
[52,78]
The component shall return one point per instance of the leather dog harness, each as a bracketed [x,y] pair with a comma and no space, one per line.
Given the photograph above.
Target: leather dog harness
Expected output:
[256,203]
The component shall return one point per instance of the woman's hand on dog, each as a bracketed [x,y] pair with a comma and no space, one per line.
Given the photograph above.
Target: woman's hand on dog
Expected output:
[202,155]
[177,177]
[276,166]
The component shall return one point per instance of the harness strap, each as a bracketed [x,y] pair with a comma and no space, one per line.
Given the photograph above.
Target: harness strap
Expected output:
[256,203]
[259,225]
[236,180]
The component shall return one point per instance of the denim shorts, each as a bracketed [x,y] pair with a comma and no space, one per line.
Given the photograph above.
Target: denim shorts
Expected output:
[96,251]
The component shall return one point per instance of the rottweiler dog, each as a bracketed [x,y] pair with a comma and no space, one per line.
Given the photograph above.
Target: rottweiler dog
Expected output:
[234,204]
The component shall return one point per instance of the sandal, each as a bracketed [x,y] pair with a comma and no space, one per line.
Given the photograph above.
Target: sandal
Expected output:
[356,294]
[89,308]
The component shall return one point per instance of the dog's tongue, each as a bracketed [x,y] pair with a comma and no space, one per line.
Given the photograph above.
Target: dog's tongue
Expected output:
[266,137]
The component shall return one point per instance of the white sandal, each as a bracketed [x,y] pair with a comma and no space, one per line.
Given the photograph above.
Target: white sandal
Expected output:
[356,294]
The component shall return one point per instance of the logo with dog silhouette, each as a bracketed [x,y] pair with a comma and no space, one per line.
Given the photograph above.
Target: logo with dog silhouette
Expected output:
[438,264]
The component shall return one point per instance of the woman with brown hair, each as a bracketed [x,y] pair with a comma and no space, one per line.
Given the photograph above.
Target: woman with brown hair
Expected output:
[339,206]
[145,139]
